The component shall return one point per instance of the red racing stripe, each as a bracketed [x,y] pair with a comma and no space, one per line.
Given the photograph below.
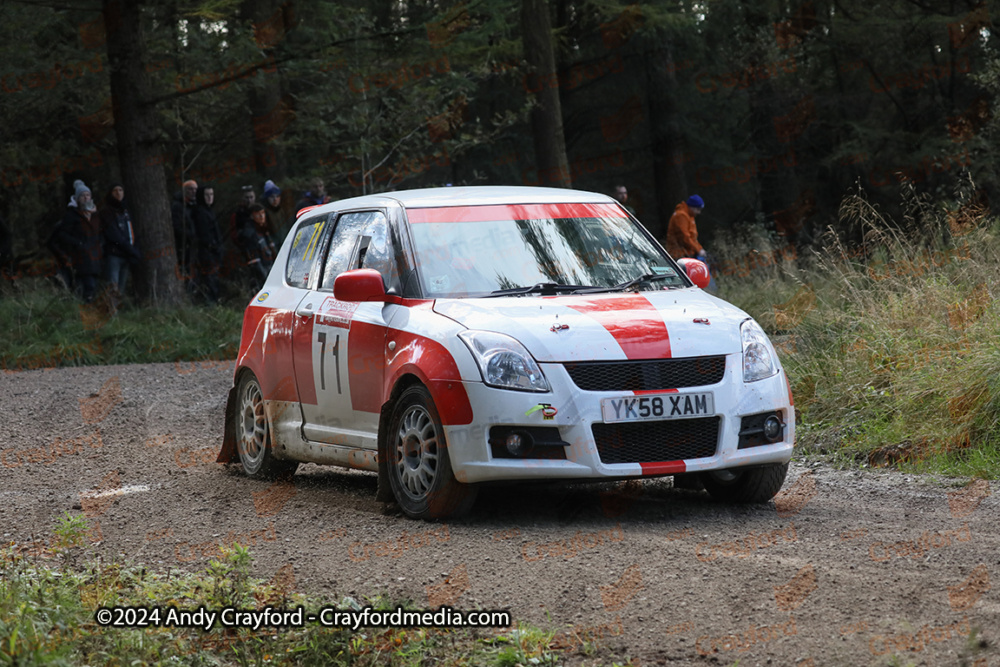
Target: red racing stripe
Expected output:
[267,335]
[366,365]
[663,468]
[632,320]
[372,378]
[512,212]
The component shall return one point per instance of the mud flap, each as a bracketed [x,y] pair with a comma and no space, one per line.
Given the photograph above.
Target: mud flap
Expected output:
[383,492]
[228,453]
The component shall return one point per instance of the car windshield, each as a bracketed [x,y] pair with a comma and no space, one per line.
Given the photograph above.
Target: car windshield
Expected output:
[478,250]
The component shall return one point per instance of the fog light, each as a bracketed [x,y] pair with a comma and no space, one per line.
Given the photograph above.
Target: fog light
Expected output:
[772,428]
[519,444]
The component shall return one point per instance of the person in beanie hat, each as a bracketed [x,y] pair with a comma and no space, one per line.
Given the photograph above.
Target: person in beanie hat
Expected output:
[79,234]
[682,233]
[271,190]
[275,212]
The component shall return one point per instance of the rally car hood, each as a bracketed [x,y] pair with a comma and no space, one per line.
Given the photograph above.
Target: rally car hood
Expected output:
[617,326]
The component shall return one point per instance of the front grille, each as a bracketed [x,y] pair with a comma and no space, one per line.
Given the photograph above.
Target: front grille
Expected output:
[651,442]
[647,375]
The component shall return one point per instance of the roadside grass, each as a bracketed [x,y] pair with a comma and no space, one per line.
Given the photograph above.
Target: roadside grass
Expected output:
[48,604]
[47,327]
[892,345]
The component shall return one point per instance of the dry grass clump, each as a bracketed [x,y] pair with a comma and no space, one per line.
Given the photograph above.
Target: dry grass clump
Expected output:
[891,342]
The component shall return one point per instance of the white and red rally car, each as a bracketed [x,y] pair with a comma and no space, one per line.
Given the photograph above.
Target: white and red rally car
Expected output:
[446,337]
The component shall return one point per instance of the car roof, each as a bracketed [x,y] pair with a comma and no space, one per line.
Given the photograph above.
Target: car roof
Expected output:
[479,195]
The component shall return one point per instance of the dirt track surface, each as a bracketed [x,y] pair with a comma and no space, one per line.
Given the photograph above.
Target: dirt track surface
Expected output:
[845,568]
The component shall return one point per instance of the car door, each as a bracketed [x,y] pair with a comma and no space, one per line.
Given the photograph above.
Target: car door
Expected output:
[340,346]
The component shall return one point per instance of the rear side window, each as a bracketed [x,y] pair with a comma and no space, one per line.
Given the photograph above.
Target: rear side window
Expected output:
[304,251]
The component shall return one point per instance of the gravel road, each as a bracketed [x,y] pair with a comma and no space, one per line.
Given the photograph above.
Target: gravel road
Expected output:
[844,568]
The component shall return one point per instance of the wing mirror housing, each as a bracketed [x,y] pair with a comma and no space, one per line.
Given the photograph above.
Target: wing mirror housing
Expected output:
[696,270]
[359,285]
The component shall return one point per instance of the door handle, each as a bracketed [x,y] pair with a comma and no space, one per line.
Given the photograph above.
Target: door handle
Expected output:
[305,311]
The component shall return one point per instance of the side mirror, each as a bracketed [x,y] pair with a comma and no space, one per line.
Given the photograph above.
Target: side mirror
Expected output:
[359,285]
[696,270]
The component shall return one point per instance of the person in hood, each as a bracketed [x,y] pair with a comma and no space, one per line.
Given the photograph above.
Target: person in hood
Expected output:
[120,251]
[209,254]
[79,237]
[682,232]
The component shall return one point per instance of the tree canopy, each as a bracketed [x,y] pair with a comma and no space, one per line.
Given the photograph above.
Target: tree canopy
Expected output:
[771,110]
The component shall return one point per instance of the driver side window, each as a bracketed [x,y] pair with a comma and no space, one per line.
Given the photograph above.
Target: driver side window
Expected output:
[361,236]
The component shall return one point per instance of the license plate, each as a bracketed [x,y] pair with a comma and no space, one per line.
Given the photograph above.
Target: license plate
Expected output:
[658,407]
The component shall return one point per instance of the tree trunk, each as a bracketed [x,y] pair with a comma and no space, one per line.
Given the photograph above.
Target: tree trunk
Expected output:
[136,134]
[669,182]
[270,105]
[546,116]
[774,158]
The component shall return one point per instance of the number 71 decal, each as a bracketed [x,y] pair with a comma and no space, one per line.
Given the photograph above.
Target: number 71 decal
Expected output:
[322,359]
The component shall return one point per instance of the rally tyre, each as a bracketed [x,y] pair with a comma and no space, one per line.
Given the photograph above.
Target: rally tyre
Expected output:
[747,485]
[420,472]
[253,434]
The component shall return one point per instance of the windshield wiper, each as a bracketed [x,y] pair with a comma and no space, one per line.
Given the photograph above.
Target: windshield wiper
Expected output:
[537,288]
[627,285]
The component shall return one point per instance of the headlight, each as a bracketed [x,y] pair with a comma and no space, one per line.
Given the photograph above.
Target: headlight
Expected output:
[504,362]
[759,358]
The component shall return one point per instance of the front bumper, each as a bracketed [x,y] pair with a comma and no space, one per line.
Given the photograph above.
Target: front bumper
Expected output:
[577,411]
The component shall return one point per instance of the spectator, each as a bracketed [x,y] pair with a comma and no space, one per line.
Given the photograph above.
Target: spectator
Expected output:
[209,257]
[78,239]
[621,194]
[276,213]
[258,247]
[240,222]
[120,251]
[682,233]
[313,197]
[181,211]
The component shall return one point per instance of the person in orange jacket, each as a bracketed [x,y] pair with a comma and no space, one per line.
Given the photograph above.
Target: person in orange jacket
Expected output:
[682,233]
